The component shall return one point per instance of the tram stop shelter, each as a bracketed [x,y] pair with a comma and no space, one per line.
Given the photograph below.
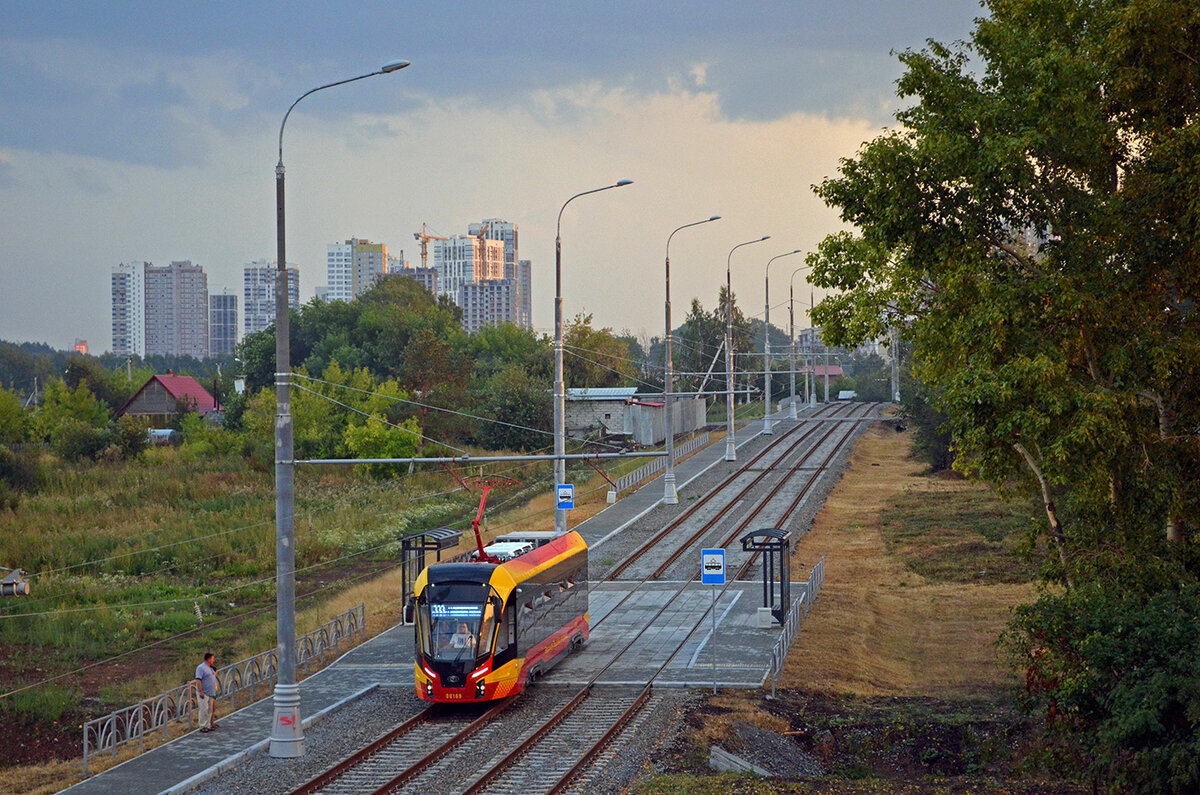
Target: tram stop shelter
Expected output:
[775,546]
[414,550]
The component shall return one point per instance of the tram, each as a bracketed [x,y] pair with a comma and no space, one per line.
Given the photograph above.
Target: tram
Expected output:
[488,626]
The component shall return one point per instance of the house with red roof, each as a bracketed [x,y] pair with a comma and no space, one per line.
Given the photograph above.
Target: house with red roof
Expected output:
[164,397]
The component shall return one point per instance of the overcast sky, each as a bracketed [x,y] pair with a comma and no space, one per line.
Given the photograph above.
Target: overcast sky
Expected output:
[149,131]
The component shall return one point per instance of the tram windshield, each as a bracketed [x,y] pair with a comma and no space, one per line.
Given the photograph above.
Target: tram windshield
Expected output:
[457,621]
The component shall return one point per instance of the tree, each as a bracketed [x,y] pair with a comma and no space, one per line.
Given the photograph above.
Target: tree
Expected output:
[515,408]
[105,385]
[438,377]
[1034,228]
[495,349]
[699,340]
[60,404]
[595,357]
[14,420]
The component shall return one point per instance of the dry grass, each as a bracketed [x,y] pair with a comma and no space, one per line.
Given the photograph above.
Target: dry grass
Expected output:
[879,628]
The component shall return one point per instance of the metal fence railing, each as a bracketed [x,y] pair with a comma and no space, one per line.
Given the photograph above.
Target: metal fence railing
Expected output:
[135,723]
[799,609]
[646,470]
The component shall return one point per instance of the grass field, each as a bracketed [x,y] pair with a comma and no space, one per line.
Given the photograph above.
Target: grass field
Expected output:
[121,556]
[895,683]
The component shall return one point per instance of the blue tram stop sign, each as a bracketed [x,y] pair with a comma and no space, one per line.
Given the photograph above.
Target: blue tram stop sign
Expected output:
[712,566]
[565,493]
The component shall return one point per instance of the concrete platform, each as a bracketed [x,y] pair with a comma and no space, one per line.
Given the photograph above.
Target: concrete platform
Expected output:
[742,651]
[743,654]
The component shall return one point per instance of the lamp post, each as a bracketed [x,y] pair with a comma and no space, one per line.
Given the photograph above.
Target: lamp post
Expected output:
[730,448]
[670,495]
[792,312]
[767,340]
[287,735]
[560,393]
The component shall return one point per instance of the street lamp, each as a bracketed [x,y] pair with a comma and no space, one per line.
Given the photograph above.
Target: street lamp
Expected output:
[792,332]
[670,495]
[730,449]
[287,735]
[560,393]
[767,339]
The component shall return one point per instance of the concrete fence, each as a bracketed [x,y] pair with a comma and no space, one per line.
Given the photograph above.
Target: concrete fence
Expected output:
[646,470]
[238,681]
[799,609]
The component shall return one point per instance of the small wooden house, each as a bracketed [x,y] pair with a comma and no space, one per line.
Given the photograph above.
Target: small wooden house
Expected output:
[164,397]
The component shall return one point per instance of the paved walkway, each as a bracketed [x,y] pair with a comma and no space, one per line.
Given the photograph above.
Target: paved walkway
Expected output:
[743,652]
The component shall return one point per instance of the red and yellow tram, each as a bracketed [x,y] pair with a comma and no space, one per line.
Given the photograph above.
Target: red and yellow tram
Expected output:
[486,628]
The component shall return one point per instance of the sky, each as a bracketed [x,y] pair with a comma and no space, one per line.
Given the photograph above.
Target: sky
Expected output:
[143,131]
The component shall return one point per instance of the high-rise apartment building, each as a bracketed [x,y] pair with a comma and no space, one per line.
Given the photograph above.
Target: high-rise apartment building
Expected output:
[258,294]
[222,323]
[176,309]
[487,302]
[352,267]
[426,277]
[463,259]
[129,309]
[524,293]
[516,269]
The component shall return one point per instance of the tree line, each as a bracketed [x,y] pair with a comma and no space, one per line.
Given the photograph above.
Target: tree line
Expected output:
[1032,224]
[389,374]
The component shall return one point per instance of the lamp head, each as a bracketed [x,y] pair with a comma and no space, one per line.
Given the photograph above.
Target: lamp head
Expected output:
[715,218]
[765,237]
[623,183]
[392,66]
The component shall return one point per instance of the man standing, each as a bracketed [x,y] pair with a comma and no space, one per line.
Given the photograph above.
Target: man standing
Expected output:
[206,691]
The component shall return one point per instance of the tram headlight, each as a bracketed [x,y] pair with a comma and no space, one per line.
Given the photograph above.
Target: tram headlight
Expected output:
[429,690]
[479,689]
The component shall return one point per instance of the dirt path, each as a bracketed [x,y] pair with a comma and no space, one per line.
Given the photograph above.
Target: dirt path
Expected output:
[878,627]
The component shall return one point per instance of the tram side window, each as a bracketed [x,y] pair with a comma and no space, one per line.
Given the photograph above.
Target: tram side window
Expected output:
[487,627]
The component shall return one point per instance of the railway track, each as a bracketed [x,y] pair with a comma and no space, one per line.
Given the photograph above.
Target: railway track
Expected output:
[718,491]
[746,495]
[433,751]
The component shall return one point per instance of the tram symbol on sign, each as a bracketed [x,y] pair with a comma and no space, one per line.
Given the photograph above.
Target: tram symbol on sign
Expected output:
[566,496]
[712,566]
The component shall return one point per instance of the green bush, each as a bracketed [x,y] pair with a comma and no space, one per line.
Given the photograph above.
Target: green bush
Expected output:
[1116,673]
[129,435]
[19,472]
[74,440]
[14,420]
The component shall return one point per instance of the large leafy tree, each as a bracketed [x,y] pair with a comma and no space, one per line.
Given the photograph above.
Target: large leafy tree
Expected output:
[1034,225]
[595,357]
[1003,223]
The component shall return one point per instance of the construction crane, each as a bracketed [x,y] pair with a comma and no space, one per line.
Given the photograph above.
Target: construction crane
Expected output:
[483,247]
[424,237]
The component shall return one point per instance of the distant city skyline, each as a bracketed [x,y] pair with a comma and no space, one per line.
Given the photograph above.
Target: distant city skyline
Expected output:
[150,133]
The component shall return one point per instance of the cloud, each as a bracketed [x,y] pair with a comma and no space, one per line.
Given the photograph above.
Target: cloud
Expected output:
[89,181]
[7,176]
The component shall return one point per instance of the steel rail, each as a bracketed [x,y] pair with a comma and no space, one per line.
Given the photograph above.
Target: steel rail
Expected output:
[751,515]
[573,703]
[744,570]
[590,754]
[617,570]
[323,778]
[338,770]
[414,769]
